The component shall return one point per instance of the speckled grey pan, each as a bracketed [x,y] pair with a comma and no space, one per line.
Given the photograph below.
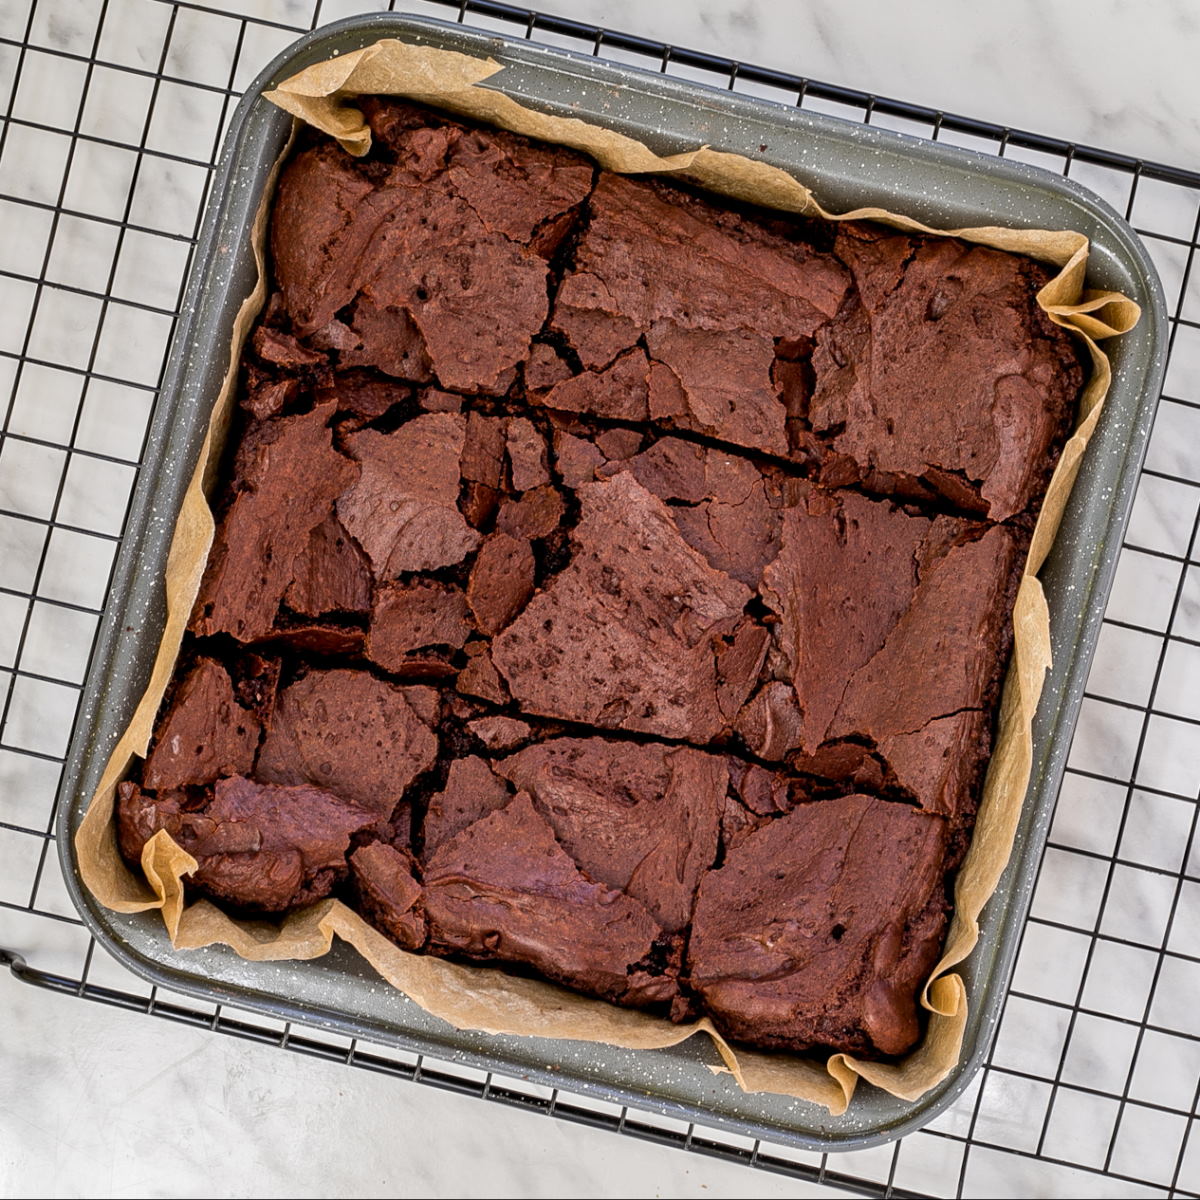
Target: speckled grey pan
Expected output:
[847,165]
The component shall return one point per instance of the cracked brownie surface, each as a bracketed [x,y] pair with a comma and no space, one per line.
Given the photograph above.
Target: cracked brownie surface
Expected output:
[611,581]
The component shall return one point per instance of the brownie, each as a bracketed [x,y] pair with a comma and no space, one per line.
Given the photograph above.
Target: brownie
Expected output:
[634,632]
[206,733]
[355,735]
[820,925]
[612,583]
[439,254]
[641,818]
[908,364]
[388,894]
[505,889]
[945,379]
[289,474]
[258,845]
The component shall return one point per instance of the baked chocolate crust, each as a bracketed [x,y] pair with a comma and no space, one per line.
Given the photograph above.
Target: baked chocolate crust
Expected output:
[505,890]
[205,735]
[352,734]
[641,818]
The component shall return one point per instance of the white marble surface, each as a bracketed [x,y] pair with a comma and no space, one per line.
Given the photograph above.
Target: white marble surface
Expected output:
[1108,73]
[237,1119]
[95,1102]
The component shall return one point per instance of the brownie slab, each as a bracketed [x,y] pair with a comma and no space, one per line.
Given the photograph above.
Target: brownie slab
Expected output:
[690,299]
[440,256]
[290,475]
[892,631]
[611,582]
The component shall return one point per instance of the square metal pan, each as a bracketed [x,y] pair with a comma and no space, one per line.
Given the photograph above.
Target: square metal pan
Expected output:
[847,165]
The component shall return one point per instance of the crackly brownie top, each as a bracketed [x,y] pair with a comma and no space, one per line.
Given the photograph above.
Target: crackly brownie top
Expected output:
[611,581]
[903,363]
[432,265]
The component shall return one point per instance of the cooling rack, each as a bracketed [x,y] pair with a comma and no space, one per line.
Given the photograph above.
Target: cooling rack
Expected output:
[1094,1079]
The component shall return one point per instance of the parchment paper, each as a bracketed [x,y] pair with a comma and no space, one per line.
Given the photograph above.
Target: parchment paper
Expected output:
[490,1000]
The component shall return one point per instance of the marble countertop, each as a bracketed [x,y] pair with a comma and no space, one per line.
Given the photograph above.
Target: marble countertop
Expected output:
[98,1101]
[1113,75]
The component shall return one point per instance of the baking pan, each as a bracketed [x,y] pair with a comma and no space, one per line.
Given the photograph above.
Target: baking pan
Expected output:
[847,165]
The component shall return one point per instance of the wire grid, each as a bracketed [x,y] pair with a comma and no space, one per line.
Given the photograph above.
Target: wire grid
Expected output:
[115,110]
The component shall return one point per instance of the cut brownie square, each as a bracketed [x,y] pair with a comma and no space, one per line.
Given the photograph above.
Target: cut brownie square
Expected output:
[258,845]
[434,265]
[673,309]
[290,474]
[819,926]
[206,733]
[893,632]
[352,734]
[642,818]
[629,634]
[945,379]
[504,889]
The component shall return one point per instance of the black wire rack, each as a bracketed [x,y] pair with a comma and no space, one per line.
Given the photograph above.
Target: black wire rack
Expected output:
[1094,1079]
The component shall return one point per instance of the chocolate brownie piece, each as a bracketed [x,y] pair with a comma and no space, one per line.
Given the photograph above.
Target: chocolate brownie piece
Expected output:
[505,890]
[946,377]
[913,611]
[500,732]
[351,734]
[388,894]
[673,308]
[258,845]
[472,791]
[819,926]
[642,818]
[502,581]
[441,256]
[628,634]
[724,506]
[205,733]
[415,626]
[403,508]
[289,476]
[518,187]
[364,395]
[332,575]
[479,676]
